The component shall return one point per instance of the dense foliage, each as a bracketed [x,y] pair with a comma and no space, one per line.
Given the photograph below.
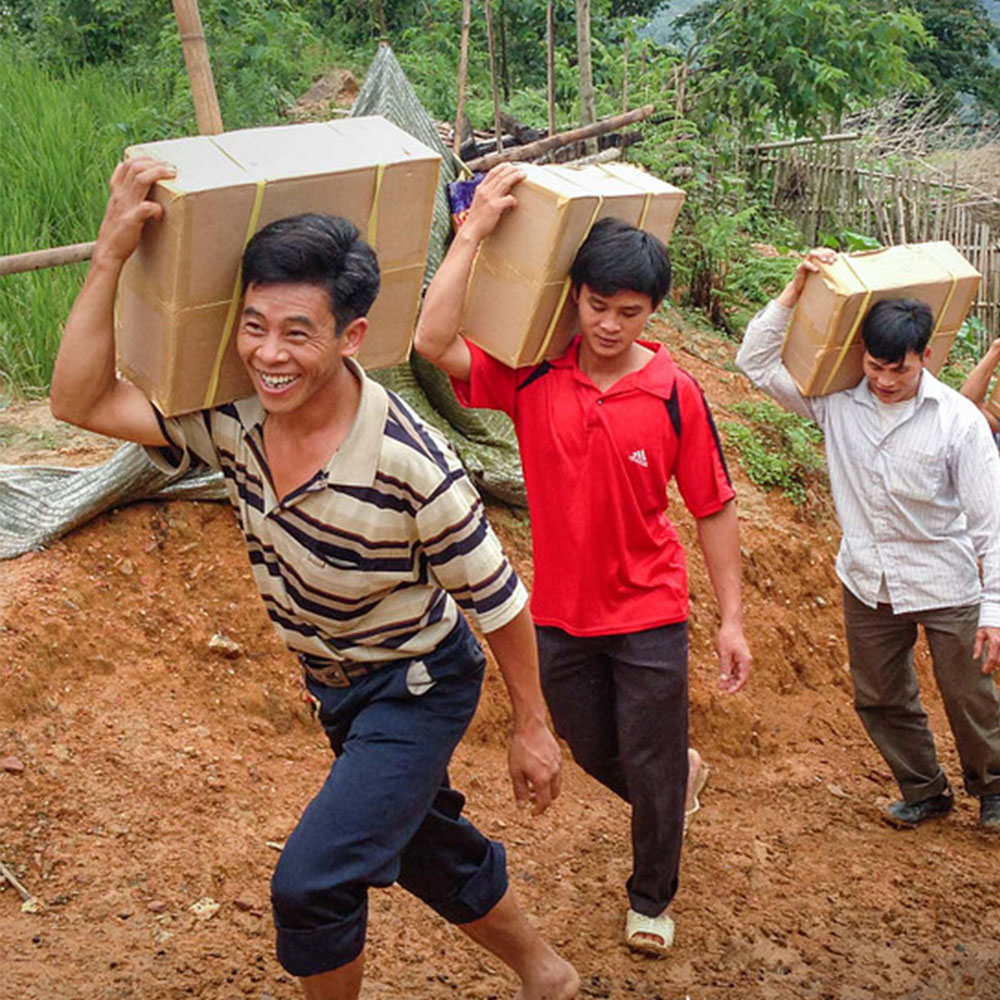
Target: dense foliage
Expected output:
[87,77]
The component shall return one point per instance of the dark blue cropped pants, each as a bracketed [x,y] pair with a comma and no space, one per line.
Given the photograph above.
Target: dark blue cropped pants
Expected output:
[386,812]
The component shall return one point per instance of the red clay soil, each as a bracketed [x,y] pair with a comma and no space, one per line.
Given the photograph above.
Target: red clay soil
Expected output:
[158,774]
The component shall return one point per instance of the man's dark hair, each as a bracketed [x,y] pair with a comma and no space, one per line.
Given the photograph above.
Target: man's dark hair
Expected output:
[322,250]
[617,257]
[894,327]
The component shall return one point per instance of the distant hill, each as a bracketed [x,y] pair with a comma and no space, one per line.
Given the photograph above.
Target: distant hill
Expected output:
[662,22]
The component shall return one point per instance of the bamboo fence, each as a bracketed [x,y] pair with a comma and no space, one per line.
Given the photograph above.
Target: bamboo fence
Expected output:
[827,186]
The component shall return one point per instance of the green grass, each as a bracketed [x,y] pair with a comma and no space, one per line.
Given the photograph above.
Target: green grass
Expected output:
[60,137]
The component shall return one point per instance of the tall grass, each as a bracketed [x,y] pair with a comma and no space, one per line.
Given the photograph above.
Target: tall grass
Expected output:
[60,137]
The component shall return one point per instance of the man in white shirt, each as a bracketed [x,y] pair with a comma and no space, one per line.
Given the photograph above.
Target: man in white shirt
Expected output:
[915,478]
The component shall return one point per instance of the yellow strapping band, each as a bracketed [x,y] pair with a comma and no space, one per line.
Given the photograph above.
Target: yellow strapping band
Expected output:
[234,302]
[373,215]
[852,333]
[564,293]
[647,201]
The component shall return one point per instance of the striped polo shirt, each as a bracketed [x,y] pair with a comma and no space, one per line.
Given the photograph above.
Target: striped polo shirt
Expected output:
[366,562]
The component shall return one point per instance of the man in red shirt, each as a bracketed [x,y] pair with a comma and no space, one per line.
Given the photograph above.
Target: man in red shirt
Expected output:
[602,430]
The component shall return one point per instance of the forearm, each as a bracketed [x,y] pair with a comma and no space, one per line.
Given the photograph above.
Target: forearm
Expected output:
[85,387]
[84,370]
[719,538]
[513,646]
[759,358]
[976,477]
[437,336]
[978,381]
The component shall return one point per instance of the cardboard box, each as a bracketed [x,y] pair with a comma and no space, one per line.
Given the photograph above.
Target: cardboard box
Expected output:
[823,348]
[517,305]
[178,297]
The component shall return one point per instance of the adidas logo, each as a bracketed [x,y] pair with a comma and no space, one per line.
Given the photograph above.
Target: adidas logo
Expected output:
[639,457]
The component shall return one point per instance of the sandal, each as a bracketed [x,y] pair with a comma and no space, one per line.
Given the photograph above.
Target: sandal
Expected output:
[703,772]
[661,927]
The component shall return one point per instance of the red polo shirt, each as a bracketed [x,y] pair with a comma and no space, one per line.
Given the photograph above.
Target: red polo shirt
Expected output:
[596,468]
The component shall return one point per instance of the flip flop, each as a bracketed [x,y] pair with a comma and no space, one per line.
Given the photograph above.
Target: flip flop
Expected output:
[703,772]
[661,927]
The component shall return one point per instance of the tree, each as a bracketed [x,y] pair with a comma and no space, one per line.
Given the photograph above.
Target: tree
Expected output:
[963,59]
[798,63]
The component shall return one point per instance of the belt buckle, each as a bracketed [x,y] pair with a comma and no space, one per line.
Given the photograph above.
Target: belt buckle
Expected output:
[333,675]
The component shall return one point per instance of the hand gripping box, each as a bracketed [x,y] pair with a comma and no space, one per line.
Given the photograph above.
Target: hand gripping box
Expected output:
[823,348]
[178,300]
[517,305]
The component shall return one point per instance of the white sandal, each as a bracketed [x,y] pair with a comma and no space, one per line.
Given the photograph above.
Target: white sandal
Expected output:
[703,772]
[661,927]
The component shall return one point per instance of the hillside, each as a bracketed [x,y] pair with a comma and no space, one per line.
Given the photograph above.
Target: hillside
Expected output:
[153,774]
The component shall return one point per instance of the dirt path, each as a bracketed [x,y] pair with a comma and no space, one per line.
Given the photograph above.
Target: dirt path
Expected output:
[157,773]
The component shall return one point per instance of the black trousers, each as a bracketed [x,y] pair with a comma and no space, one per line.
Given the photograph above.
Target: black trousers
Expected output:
[621,703]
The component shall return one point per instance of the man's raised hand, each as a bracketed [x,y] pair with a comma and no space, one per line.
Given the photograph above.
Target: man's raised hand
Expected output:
[129,208]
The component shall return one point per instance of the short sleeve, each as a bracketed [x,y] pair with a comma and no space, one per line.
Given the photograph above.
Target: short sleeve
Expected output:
[465,555]
[492,385]
[700,468]
[191,444]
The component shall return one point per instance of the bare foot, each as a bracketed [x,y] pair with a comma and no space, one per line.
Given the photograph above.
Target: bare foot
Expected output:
[556,981]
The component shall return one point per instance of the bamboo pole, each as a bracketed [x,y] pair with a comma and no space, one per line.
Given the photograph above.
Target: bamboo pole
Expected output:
[541,146]
[625,77]
[463,71]
[493,75]
[35,260]
[588,114]
[550,62]
[206,103]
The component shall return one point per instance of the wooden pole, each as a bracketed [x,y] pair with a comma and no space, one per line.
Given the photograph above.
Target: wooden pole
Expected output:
[493,75]
[206,103]
[463,72]
[541,146]
[35,260]
[588,113]
[625,77]
[550,62]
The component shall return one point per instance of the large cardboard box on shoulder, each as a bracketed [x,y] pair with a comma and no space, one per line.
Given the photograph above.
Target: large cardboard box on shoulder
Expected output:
[179,294]
[517,305]
[823,348]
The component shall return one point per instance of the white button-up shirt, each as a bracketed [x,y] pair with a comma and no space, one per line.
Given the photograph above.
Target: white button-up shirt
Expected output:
[919,503]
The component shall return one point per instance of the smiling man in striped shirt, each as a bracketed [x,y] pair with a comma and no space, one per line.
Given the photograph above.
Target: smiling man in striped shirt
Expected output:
[916,482]
[365,537]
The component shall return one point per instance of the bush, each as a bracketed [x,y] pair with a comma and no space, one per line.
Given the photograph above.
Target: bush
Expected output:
[778,450]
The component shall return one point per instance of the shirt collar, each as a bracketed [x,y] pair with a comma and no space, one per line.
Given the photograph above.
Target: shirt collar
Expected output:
[930,388]
[656,377]
[355,462]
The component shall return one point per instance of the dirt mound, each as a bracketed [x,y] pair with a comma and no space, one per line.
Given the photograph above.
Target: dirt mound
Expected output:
[160,775]
[336,89]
